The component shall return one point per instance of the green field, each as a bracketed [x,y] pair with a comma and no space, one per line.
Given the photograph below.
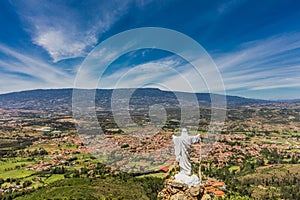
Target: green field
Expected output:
[16,174]
[53,178]
[12,164]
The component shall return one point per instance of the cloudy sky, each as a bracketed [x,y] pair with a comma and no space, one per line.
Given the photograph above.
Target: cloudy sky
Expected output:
[254,44]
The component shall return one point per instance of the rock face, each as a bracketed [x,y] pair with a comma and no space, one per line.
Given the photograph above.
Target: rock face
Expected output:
[174,190]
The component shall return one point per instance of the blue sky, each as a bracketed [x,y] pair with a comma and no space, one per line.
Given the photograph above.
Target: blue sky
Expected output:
[255,44]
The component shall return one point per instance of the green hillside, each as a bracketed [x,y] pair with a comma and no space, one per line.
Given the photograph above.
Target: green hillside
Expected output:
[85,188]
[278,181]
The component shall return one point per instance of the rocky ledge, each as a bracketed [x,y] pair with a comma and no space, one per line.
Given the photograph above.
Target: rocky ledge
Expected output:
[174,190]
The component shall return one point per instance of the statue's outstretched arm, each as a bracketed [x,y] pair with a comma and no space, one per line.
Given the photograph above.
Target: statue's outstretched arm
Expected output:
[195,139]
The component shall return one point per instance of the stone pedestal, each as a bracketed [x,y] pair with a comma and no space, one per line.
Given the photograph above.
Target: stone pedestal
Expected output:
[175,190]
[191,180]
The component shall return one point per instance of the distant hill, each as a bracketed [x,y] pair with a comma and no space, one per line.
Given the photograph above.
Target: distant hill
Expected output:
[290,100]
[49,99]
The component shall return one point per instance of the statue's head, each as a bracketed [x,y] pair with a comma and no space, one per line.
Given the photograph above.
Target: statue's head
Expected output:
[184,132]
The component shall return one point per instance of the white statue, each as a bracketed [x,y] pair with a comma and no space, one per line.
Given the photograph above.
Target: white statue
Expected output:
[182,145]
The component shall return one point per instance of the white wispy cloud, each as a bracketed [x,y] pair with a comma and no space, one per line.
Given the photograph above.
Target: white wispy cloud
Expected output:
[262,64]
[22,72]
[61,45]
[150,73]
[170,73]
[66,32]
[259,52]
[227,6]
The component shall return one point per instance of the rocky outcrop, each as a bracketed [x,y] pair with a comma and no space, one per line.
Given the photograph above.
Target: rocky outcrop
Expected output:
[174,190]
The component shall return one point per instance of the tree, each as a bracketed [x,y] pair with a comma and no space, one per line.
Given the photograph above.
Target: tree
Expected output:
[1,181]
[26,183]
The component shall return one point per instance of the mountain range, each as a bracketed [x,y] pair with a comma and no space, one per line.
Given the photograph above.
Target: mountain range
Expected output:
[49,99]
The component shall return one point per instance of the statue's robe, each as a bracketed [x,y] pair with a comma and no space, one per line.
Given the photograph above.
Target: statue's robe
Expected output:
[182,146]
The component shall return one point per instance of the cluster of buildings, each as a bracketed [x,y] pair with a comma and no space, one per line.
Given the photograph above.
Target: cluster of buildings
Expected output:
[215,187]
[44,165]
[133,154]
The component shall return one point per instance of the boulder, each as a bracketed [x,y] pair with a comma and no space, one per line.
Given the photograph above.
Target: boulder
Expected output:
[195,191]
[206,197]
[175,190]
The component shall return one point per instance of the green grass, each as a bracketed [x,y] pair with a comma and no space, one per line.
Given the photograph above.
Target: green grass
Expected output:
[8,168]
[156,175]
[234,168]
[12,164]
[295,150]
[16,173]
[286,160]
[53,178]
